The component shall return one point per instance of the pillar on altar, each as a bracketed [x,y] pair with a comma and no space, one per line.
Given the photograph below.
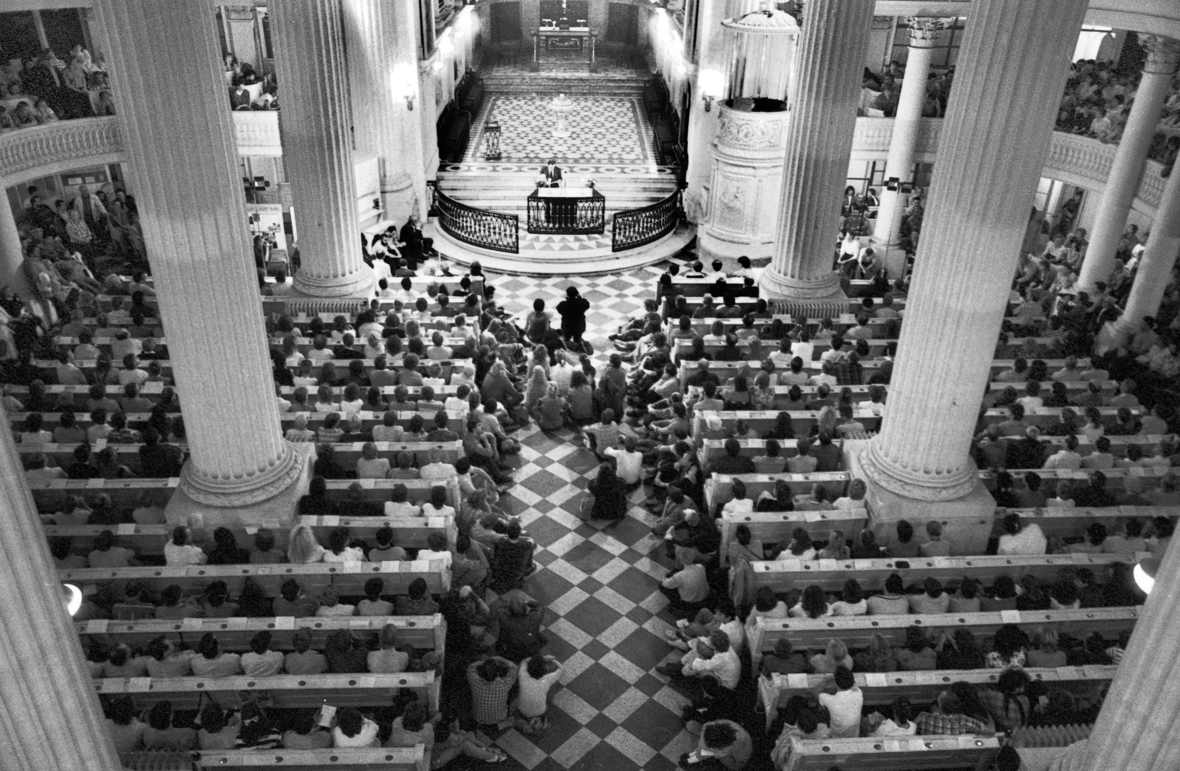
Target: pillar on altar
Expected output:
[315,125]
[702,124]
[1127,168]
[241,471]
[994,142]
[383,75]
[819,139]
[899,165]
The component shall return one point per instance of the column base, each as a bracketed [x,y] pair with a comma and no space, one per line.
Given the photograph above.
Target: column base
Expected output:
[966,520]
[710,246]
[1114,334]
[819,298]
[361,284]
[276,511]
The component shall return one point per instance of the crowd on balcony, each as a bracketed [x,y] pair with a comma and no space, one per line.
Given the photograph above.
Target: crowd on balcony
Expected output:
[44,88]
[247,89]
[880,92]
[1097,101]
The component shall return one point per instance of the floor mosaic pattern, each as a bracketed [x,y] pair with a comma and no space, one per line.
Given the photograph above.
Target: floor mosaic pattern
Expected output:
[604,130]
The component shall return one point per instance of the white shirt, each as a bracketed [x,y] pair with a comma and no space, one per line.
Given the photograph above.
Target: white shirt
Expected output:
[726,666]
[1030,540]
[738,506]
[366,737]
[1064,459]
[350,554]
[178,556]
[630,464]
[533,692]
[402,509]
[805,351]
[844,708]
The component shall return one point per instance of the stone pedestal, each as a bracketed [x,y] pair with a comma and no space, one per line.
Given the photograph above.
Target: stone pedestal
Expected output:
[993,146]
[383,73]
[52,719]
[743,189]
[819,138]
[924,33]
[1125,172]
[316,128]
[200,250]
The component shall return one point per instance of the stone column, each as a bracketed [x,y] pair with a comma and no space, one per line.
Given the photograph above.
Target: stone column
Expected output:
[239,22]
[924,33]
[1156,263]
[191,203]
[315,125]
[383,73]
[994,141]
[702,126]
[11,255]
[1137,727]
[1129,159]
[819,138]
[49,713]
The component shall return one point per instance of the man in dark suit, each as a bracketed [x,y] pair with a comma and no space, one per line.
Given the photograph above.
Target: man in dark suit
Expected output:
[552,174]
[416,248]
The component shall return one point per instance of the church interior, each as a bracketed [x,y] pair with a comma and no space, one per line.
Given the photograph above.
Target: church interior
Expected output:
[589,385]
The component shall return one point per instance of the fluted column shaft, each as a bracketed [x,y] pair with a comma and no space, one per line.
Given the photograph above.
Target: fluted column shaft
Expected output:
[11,255]
[1157,262]
[900,162]
[819,139]
[1129,159]
[183,165]
[702,126]
[1140,718]
[994,141]
[49,713]
[315,126]
[383,71]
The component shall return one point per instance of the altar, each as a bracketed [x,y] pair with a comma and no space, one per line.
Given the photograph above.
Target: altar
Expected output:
[566,210]
[553,42]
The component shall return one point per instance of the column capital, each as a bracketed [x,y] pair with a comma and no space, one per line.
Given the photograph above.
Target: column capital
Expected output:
[1163,54]
[238,12]
[924,30]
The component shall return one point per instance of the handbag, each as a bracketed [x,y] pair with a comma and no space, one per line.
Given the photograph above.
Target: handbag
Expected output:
[586,507]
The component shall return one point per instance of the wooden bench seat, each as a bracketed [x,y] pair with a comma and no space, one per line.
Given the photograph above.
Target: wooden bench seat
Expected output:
[285,691]
[408,532]
[1066,523]
[724,370]
[781,575]
[456,421]
[761,421]
[881,688]
[774,527]
[858,631]
[373,759]
[911,753]
[347,579]
[50,495]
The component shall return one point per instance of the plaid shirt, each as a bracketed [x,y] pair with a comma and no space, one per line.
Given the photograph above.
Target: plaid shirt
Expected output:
[953,725]
[489,701]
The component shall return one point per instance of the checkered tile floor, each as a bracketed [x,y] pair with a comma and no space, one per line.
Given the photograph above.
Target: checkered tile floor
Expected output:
[605,616]
[604,129]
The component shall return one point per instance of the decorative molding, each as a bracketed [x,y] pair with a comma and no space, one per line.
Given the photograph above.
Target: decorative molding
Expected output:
[924,30]
[733,204]
[916,484]
[741,130]
[257,132]
[238,12]
[1163,54]
[53,147]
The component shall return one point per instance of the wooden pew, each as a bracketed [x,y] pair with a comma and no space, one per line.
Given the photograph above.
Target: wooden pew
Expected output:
[1149,476]
[51,495]
[285,691]
[414,758]
[858,631]
[761,421]
[409,532]
[421,632]
[781,575]
[724,370]
[877,347]
[718,487]
[774,527]
[456,421]
[911,753]
[1060,522]
[347,579]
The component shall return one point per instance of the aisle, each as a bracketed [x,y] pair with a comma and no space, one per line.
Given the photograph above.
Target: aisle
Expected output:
[598,582]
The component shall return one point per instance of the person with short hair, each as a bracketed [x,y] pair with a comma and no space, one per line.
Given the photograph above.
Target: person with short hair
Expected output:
[844,703]
[490,681]
[354,730]
[936,545]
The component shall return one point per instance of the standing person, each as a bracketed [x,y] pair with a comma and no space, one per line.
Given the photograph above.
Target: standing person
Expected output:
[573,315]
[416,248]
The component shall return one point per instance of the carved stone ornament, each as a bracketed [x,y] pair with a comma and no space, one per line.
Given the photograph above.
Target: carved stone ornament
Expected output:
[49,145]
[734,131]
[924,30]
[733,205]
[238,12]
[243,491]
[916,483]
[694,207]
[1163,54]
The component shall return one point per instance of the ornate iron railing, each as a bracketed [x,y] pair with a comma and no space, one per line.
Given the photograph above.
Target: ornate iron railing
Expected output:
[637,227]
[478,227]
[567,215]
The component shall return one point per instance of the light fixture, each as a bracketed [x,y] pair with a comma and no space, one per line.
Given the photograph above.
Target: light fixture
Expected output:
[403,83]
[1144,573]
[73,597]
[437,67]
[711,84]
[445,46]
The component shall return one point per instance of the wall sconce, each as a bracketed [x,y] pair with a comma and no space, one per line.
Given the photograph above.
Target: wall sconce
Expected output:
[711,84]
[73,598]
